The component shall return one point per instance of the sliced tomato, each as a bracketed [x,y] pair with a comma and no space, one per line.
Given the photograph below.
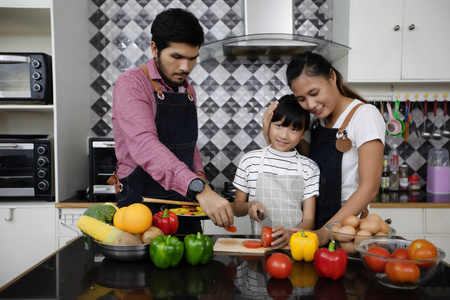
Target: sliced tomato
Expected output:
[252,244]
[266,236]
[231,228]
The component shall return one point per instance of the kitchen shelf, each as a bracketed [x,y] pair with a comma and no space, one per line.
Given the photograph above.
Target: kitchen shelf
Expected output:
[25,108]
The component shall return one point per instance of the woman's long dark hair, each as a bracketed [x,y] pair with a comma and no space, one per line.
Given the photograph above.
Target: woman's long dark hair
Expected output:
[313,64]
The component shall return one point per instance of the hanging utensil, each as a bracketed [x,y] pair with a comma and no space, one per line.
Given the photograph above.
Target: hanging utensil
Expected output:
[407,120]
[437,133]
[394,126]
[425,135]
[445,132]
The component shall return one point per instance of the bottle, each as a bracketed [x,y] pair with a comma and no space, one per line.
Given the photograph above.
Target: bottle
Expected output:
[403,181]
[385,175]
[393,157]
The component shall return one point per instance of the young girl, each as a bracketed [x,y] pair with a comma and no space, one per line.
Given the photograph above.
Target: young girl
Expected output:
[276,180]
[350,160]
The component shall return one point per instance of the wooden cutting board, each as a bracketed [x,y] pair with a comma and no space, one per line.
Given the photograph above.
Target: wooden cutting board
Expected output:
[234,245]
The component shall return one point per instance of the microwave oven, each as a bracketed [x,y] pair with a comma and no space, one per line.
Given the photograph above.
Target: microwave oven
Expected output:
[25,78]
[102,164]
[26,168]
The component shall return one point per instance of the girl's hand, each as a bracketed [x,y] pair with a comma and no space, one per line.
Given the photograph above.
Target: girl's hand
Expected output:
[253,208]
[322,234]
[283,234]
[267,118]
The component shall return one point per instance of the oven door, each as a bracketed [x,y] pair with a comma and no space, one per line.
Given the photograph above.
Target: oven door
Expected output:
[103,163]
[15,77]
[16,169]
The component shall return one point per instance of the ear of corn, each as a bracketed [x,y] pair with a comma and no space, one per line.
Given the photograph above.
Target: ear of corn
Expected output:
[98,230]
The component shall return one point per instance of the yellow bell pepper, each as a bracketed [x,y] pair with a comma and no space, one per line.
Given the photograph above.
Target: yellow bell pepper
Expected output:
[303,245]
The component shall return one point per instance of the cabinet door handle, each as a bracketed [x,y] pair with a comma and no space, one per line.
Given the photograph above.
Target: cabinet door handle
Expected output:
[412,26]
[10,214]
[397,28]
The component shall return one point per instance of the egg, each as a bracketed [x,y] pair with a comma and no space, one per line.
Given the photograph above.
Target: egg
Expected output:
[348,247]
[362,235]
[347,229]
[373,217]
[370,225]
[384,227]
[350,220]
[336,229]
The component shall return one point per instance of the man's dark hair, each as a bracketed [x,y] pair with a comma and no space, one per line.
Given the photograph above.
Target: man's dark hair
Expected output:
[290,111]
[177,26]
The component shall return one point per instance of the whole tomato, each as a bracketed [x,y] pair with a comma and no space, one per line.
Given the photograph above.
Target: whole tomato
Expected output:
[400,272]
[400,253]
[266,236]
[376,264]
[422,249]
[279,289]
[279,265]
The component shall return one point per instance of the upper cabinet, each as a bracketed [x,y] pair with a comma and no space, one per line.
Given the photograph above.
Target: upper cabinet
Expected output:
[58,28]
[393,40]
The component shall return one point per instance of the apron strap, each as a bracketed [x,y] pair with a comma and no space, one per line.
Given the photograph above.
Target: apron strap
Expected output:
[348,118]
[157,87]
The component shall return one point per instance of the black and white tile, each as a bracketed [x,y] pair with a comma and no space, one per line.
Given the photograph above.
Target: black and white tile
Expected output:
[232,91]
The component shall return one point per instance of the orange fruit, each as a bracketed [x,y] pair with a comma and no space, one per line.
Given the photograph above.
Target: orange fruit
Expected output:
[137,218]
[118,216]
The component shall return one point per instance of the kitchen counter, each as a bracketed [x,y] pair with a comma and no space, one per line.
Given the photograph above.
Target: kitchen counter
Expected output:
[76,273]
[419,199]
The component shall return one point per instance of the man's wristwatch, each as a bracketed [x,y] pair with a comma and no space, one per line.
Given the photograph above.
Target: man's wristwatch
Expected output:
[196,186]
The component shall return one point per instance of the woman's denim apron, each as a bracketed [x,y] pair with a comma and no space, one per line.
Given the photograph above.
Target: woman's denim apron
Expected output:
[177,128]
[323,151]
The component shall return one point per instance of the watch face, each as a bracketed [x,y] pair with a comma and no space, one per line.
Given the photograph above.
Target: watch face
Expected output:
[197,186]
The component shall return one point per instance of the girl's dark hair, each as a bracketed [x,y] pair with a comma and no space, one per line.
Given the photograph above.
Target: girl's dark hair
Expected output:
[313,64]
[178,26]
[290,111]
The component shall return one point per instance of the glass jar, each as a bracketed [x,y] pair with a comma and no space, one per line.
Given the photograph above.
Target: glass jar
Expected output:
[403,181]
[414,184]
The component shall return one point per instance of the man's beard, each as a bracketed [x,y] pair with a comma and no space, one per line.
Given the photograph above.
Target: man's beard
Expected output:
[169,82]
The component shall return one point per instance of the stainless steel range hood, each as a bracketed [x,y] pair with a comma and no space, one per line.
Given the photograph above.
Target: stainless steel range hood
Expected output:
[269,30]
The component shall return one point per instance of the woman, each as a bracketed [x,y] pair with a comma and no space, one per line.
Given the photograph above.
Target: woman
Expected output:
[350,160]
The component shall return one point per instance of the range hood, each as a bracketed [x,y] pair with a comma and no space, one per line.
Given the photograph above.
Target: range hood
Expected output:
[269,31]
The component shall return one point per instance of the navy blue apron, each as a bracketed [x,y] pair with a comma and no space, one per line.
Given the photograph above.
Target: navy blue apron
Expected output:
[177,128]
[323,151]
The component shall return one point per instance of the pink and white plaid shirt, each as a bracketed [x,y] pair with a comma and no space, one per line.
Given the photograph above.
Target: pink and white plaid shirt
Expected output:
[135,135]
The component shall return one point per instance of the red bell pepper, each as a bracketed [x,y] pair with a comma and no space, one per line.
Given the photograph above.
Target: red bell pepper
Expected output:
[167,221]
[331,262]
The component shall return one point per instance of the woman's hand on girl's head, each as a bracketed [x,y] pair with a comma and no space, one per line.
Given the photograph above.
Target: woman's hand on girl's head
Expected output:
[267,118]
[282,236]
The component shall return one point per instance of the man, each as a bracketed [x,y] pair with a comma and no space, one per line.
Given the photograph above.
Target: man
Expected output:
[155,124]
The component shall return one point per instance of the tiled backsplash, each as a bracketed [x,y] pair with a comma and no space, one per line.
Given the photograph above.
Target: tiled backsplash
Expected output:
[232,92]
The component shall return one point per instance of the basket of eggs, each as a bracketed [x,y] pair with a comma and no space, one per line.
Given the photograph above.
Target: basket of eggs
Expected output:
[353,229]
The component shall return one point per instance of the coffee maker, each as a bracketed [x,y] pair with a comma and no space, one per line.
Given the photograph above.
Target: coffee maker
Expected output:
[438,172]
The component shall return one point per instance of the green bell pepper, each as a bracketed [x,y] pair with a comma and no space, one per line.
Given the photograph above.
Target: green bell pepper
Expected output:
[198,249]
[166,251]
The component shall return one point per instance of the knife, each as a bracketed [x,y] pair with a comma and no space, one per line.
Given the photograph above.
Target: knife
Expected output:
[265,220]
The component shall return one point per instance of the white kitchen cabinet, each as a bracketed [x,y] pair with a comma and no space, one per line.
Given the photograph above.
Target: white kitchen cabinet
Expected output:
[58,28]
[432,224]
[393,40]
[67,224]
[408,222]
[27,233]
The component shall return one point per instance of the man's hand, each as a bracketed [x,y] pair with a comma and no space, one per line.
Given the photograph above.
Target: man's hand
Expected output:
[217,208]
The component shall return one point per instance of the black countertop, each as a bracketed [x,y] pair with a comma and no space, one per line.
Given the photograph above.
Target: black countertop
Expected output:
[76,273]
